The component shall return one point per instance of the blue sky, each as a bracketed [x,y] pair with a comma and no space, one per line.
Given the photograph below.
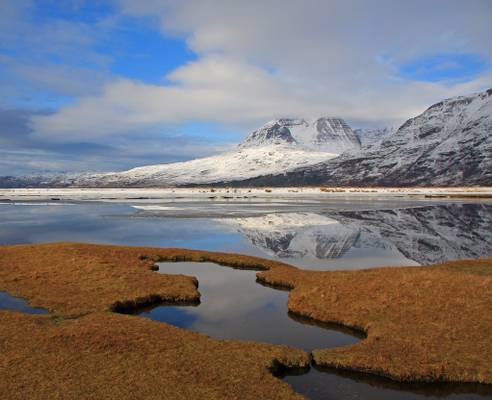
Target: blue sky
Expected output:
[453,67]
[108,85]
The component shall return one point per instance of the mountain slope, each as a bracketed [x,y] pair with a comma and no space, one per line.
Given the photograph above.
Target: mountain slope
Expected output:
[450,144]
[371,136]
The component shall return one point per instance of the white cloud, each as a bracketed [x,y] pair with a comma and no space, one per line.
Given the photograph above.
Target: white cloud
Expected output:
[212,89]
[262,59]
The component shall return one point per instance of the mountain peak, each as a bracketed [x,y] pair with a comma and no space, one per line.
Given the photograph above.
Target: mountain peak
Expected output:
[328,134]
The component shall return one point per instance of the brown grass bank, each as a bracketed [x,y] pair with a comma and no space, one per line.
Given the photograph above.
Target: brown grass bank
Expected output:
[114,356]
[423,323]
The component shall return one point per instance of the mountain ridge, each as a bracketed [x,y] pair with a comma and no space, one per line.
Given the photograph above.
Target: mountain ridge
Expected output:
[449,144]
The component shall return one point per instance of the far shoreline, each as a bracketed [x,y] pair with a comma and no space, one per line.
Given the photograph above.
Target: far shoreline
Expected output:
[211,192]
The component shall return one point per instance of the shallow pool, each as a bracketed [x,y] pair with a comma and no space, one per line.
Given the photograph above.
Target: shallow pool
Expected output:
[9,302]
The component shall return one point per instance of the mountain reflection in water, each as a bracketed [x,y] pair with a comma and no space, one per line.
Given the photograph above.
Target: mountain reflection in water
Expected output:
[424,235]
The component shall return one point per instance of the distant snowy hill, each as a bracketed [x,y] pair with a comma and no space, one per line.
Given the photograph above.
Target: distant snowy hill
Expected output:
[449,144]
[240,164]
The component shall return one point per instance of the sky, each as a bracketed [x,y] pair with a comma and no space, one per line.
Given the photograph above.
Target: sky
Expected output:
[104,85]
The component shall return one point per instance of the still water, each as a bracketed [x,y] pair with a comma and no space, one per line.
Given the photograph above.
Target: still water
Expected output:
[234,306]
[309,233]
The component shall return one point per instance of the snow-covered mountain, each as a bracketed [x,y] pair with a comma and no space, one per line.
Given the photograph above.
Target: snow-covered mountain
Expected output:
[450,144]
[273,132]
[332,135]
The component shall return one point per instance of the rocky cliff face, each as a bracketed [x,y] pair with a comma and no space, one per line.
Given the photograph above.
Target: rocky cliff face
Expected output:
[332,134]
[450,144]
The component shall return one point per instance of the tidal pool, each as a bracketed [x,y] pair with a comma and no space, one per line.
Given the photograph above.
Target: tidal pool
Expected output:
[234,306]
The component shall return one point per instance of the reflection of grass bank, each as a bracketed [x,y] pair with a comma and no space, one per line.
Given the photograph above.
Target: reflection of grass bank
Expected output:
[429,323]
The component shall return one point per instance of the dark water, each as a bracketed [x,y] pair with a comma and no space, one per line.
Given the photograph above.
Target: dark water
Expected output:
[234,306]
[338,385]
[8,302]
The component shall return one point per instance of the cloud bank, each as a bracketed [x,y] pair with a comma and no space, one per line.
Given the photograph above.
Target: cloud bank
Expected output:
[372,62]
[263,59]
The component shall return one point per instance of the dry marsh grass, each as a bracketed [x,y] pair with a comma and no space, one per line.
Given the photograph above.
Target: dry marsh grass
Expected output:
[114,356]
[422,324]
